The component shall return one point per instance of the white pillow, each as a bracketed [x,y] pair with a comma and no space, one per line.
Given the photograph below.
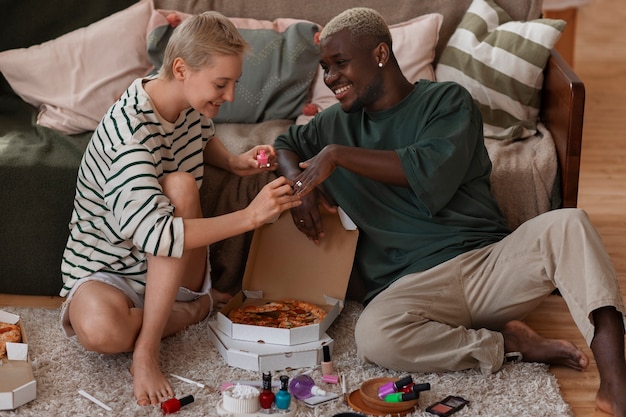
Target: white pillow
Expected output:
[74,79]
[501,63]
[414,44]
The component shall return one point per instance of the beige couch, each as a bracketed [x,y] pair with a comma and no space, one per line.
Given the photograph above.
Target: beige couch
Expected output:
[38,165]
[529,177]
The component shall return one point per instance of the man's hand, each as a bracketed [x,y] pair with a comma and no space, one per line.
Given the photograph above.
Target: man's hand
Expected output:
[307,217]
[315,171]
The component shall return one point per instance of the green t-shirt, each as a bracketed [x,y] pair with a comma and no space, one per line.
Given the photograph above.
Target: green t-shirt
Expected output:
[448,208]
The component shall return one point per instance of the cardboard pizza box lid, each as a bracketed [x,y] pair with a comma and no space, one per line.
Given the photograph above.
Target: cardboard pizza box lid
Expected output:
[284,264]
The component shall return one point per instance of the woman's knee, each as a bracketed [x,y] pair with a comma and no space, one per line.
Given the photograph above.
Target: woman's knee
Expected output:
[103,318]
[182,190]
[102,335]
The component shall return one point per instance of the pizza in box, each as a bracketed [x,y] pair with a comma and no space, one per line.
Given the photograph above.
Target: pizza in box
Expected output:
[284,314]
[8,333]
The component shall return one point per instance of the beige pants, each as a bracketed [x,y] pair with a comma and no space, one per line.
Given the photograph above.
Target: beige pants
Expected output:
[447,318]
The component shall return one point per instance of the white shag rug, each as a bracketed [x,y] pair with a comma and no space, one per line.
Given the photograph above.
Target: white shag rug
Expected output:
[62,368]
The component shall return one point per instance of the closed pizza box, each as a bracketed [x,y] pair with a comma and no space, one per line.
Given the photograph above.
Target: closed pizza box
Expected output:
[284,264]
[264,357]
[17,382]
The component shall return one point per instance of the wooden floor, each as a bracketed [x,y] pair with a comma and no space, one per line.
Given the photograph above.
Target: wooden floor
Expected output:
[600,61]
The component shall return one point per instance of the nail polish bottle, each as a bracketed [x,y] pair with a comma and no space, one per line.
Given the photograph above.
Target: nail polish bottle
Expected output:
[173,405]
[262,159]
[391,387]
[416,387]
[303,387]
[283,397]
[396,397]
[327,365]
[267,397]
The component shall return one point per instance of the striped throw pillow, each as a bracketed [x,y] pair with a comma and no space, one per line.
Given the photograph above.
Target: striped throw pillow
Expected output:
[501,63]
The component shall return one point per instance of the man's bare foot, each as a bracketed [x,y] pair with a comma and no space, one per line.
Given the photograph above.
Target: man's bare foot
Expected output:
[149,384]
[610,399]
[608,349]
[518,337]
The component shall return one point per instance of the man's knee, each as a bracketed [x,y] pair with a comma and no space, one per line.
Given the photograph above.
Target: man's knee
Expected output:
[568,223]
[372,345]
[569,217]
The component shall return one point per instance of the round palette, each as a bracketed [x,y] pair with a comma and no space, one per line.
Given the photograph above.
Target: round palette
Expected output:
[355,400]
[369,392]
[366,400]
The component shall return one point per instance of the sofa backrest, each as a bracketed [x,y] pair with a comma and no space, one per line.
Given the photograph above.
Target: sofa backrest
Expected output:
[322,11]
[36,21]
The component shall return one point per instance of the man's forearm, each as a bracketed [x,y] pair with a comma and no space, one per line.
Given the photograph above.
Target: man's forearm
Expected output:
[288,163]
[379,165]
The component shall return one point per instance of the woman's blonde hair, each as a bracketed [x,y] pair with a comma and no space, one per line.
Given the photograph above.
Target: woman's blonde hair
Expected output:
[198,39]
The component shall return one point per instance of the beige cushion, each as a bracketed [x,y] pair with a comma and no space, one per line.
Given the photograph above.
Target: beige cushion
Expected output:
[501,61]
[74,79]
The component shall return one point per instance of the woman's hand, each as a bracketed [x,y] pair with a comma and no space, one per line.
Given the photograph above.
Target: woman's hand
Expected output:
[274,198]
[248,163]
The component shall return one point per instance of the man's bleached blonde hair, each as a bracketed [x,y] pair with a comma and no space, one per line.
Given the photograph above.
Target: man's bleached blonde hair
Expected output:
[360,22]
[199,38]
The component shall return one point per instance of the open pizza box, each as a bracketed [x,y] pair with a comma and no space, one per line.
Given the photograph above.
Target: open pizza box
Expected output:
[17,382]
[284,264]
[263,357]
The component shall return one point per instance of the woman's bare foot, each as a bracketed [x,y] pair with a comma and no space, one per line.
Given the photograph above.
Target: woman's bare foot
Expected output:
[186,313]
[219,298]
[149,384]
[518,337]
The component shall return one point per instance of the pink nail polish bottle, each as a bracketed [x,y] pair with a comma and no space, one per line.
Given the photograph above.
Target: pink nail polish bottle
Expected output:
[262,159]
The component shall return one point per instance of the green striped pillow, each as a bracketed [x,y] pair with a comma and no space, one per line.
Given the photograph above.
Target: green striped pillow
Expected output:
[501,63]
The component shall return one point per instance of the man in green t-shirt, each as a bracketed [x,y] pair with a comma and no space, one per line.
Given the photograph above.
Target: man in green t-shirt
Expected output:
[446,281]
